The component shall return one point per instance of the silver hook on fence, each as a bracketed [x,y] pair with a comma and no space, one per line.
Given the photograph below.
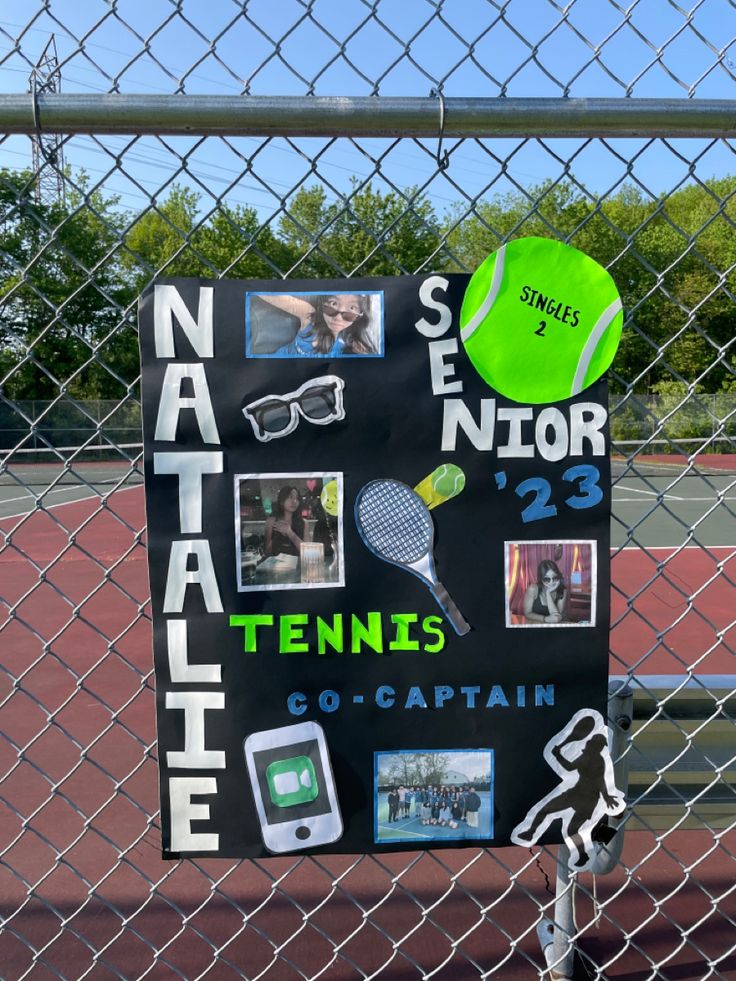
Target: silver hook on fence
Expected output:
[50,158]
[34,104]
[443,159]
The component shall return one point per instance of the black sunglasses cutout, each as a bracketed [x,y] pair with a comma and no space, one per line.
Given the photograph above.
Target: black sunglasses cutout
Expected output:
[319,401]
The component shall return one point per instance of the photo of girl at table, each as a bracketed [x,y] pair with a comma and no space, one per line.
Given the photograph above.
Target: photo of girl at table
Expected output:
[285,528]
[321,325]
[550,584]
[285,537]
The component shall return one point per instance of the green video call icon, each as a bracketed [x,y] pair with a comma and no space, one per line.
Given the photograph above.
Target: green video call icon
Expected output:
[292,781]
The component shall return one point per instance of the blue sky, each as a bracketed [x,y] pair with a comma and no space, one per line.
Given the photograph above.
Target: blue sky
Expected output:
[650,48]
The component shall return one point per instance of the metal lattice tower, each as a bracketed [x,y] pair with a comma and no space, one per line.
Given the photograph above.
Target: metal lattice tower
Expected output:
[47,148]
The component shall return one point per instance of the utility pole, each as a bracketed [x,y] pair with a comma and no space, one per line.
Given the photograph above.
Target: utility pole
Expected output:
[48,148]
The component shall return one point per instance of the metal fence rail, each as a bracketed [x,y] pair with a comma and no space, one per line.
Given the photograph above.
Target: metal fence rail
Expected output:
[83,892]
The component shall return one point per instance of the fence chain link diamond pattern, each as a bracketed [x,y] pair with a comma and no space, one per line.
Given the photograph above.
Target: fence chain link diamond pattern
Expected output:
[83,890]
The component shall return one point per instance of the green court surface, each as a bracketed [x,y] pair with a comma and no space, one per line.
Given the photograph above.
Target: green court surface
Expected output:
[661,508]
[21,484]
[672,509]
[411,828]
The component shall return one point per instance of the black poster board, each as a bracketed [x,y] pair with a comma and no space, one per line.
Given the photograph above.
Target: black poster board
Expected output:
[407,700]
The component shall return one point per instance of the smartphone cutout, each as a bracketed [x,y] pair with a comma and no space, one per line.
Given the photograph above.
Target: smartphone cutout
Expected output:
[293,787]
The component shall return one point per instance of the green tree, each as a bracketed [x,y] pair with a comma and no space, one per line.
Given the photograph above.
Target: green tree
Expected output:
[238,246]
[671,258]
[371,233]
[173,240]
[61,292]
[165,239]
[70,273]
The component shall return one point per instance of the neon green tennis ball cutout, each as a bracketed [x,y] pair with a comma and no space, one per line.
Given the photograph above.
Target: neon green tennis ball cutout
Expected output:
[442,484]
[540,320]
[328,497]
[448,480]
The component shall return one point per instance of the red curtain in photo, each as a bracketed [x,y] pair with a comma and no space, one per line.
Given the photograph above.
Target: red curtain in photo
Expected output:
[573,560]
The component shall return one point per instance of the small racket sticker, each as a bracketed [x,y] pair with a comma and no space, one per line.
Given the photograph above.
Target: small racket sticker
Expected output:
[396,526]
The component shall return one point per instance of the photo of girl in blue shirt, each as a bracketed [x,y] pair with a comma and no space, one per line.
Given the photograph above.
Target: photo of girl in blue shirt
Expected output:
[331,325]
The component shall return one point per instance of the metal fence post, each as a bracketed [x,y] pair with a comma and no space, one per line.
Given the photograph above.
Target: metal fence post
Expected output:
[620,717]
[556,936]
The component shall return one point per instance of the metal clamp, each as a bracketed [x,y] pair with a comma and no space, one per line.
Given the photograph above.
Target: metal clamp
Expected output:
[51,157]
[443,159]
[556,936]
[34,105]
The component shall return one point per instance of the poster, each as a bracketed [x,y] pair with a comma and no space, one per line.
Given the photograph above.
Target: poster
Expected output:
[379,588]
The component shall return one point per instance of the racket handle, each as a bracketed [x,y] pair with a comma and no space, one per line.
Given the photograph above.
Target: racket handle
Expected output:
[459,624]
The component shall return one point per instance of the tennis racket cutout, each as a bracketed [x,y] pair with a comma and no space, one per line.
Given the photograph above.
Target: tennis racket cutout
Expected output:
[396,526]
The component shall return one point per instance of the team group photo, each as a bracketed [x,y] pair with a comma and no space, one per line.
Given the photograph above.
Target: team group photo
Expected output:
[434,795]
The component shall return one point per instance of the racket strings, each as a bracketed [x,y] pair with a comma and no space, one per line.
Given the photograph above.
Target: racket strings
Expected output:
[394,522]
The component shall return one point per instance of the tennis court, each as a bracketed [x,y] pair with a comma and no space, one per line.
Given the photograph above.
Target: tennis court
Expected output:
[672,582]
[672,579]
[80,718]
[697,501]
[64,476]
[668,503]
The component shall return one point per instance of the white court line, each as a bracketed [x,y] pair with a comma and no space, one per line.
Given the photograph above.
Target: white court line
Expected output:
[64,504]
[414,834]
[56,490]
[638,500]
[675,548]
[663,497]
[671,497]
[23,497]
[663,494]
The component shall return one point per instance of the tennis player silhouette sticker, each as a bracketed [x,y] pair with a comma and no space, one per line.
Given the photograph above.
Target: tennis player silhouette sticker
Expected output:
[587,793]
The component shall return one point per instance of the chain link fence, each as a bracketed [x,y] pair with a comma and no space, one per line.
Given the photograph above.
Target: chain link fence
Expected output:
[87,221]
[702,418]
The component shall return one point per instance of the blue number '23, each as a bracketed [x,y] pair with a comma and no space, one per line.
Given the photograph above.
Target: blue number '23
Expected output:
[589,492]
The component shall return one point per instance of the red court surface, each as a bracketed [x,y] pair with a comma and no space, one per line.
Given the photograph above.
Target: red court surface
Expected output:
[682,619]
[79,640]
[700,460]
[673,612]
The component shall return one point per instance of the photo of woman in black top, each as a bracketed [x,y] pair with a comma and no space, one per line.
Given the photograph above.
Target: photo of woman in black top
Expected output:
[545,599]
[285,528]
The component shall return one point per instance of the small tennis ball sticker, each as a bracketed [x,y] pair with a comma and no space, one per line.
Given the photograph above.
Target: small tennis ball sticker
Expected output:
[540,320]
[442,484]
[448,480]
[328,497]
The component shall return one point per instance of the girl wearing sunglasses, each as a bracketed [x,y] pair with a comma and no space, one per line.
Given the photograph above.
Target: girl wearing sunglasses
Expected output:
[332,324]
[544,600]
